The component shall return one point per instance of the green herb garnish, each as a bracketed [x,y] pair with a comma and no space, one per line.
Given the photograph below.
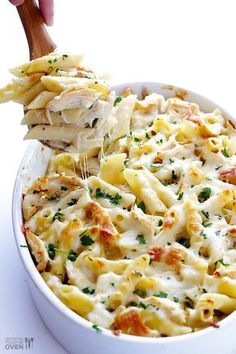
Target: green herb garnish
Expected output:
[88,291]
[202,233]
[58,215]
[136,139]
[64,188]
[205,213]
[174,175]
[72,255]
[188,302]
[142,206]
[184,241]
[52,197]
[86,240]
[176,299]
[117,100]
[115,200]
[161,294]
[206,224]
[160,222]
[180,196]
[221,261]
[72,202]
[96,328]
[204,194]
[140,292]
[51,250]
[225,152]
[141,240]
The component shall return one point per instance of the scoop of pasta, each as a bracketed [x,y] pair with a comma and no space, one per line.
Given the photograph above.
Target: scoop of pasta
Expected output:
[65,105]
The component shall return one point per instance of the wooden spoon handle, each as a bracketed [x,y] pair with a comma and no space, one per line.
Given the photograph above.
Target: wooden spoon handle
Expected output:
[37,36]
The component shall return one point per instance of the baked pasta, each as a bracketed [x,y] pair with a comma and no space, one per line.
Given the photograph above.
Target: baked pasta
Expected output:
[133,227]
[139,236]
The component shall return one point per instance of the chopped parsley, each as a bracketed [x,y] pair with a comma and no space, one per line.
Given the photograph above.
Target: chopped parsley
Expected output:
[147,136]
[72,202]
[171,161]
[58,215]
[225,152]
[117,100]
[205,213]
[72,255]
[142,206]
[52,197]
[174,175]
[188,302]
[176,299]
[86,240]
[143,305]
[51,250]
[141,240]
[217,168]
[136,139]
[202,233]
[96,328]
[204,194]
[221,261]
[180,196]
[161,294]
[115,200]
[160,222]
[206,224]
[184,241]
[140,292]
[94,122]
[64,188]
[88,290]
[64,56]
[24,246]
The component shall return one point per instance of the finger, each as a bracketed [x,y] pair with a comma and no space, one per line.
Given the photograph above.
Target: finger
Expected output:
[17,2]
[47,9]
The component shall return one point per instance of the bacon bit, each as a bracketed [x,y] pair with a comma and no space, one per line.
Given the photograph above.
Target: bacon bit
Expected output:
[229,176]
[130,322]
[172,256]
[24,229]
[168,223]
[214,325]
[232,232]
[116,332]
[155,253]
[107,236]
[217,274]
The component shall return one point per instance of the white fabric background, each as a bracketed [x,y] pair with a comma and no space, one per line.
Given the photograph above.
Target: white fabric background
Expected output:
[185,43]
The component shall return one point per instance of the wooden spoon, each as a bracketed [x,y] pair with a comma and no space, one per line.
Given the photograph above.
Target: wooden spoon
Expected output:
[39,43]
[37,36]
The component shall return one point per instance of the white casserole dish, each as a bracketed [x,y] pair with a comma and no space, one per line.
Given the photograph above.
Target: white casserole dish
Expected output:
[74,332]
